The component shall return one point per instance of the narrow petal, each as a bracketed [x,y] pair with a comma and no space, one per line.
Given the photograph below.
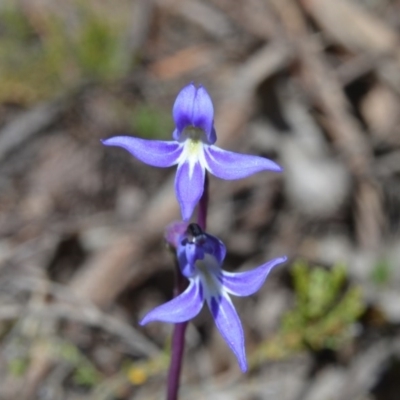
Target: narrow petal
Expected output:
[229,165]
[187,256]
[157,153]
[187,268]
[194,253]
[230,327]
[203,114]
[189,186]
[183,107]
[247,283]
[180,309]
[176,135]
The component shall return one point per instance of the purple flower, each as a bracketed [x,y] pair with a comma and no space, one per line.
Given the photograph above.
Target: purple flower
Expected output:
[193,149]
[200,257]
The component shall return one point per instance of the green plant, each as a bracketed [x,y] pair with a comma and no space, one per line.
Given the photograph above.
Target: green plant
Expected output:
[381,272]
[84,373]
[46,55]
[325,310]
[18,366]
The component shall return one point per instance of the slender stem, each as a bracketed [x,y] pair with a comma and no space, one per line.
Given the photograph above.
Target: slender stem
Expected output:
[178,336]
[177,345]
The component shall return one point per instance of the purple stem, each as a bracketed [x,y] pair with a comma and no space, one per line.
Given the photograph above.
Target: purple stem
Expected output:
[177,347]
[178,337]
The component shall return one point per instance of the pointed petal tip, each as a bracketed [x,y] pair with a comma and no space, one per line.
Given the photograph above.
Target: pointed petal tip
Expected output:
[189,87]
[276,261]
[147,318]
[114,141]
[273,166]
[110,141]
[281,259]
[203,91]
[186,212]
[105,141]
[243,366]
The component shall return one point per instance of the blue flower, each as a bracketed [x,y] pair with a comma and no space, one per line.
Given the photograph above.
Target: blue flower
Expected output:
[193,149]
[200,257]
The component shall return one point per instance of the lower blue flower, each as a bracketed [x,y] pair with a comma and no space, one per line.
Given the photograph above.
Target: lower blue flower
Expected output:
[200,258]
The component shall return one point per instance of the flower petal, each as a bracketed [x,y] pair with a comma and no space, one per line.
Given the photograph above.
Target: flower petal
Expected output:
[247,283]
[183,107]
[230,327]
[188,254]
[203,114]
[157,153]
[215,247]
[229,165]
[180,309]
[189,186]
[193,253]
[188,269]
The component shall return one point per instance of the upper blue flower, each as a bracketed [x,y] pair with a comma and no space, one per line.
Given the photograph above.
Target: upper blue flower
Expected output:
[193,149]
[200,258]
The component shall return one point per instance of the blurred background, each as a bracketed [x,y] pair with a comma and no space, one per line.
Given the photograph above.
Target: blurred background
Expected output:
[312,84]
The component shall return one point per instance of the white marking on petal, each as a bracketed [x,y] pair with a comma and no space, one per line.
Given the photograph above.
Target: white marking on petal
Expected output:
[209,270]
[193,153]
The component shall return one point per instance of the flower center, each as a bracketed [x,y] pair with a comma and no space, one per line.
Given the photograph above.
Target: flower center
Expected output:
[194,134]
[193,147]
[208,269]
